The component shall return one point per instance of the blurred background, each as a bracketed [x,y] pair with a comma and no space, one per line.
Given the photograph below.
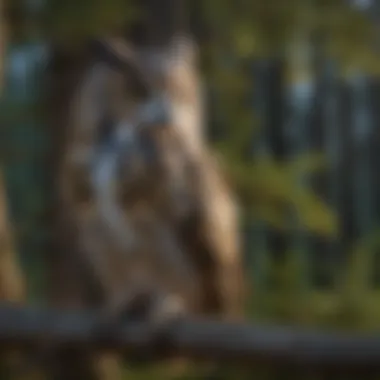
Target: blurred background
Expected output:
[292,90]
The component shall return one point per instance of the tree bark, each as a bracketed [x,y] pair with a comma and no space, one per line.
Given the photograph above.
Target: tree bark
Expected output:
[11,279]
[12,288]
[12,282]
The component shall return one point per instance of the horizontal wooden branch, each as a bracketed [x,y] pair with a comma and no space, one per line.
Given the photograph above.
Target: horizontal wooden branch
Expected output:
[243,343]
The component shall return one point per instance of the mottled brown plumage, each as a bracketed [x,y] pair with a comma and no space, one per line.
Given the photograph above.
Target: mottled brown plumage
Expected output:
[160,217]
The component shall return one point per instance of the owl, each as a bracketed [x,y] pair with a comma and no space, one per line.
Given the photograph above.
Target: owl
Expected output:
[142,202]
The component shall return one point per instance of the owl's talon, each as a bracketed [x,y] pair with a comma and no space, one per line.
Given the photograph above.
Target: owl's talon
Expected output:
[155,309]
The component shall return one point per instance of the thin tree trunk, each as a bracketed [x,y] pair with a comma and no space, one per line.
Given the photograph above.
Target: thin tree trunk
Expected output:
[11,279]
[274,129]
[346,207]
[12,288]
[12,283]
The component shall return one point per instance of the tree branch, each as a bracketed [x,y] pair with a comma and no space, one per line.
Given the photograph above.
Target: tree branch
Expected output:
[250,344]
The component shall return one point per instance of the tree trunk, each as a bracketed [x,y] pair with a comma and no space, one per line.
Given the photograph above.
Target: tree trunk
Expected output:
[12,282]
[11,279]
[12,288]
[274,123]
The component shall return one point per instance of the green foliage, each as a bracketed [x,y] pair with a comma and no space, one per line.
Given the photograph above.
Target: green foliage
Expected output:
[72,21]
[255,28]
[353,304]
[272,192]
[269,190]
